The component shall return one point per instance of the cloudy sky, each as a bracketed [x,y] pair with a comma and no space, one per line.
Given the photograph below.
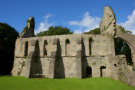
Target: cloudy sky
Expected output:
[77,15]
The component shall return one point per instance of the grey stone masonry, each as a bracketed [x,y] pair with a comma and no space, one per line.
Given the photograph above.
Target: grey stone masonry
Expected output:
[74,55]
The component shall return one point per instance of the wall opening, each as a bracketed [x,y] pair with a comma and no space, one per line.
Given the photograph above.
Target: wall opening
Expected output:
[115,65]
[67,42]
[90,41]
[122,48]
[102,69]
[45,50]
[88,71]
[26,49]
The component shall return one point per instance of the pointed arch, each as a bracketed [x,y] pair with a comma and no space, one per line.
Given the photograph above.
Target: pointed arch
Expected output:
[67,42]
[44,47]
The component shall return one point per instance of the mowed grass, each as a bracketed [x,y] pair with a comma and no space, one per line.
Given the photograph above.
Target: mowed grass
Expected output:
[21,83]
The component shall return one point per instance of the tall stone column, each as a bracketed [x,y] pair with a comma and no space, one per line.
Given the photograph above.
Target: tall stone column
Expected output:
[96,71]
[53,58]
[79,60]
[30,57]
[28,64]
[133,59]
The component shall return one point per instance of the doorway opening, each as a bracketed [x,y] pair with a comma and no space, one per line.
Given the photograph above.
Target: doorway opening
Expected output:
[88,71]
[102,68]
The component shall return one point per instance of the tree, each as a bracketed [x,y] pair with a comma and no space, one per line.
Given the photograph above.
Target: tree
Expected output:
[94,31]
[58,30]
[123,30]
[8,36]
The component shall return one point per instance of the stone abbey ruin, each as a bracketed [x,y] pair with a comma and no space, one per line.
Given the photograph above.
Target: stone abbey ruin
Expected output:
[74,55]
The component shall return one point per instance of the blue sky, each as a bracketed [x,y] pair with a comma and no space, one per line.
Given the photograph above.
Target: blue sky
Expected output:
[78,15]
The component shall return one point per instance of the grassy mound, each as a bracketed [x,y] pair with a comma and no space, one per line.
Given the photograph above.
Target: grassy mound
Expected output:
[21,83]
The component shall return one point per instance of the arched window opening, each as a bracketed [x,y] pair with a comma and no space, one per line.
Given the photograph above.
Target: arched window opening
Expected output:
[67,41]
[90,41]
[122,48]
[115,65]
[102,70]
[26,49]
[88,72]
[66,46]
[45,50]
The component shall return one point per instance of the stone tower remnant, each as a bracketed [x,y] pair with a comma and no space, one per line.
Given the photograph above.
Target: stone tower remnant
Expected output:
[29,29]
[108,22]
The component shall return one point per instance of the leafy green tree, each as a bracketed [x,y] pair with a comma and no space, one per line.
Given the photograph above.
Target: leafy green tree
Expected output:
[123,30]
[58,30]
[94,31]
[8,36]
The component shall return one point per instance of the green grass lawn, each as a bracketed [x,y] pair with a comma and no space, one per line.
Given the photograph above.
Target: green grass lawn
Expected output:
[21,83]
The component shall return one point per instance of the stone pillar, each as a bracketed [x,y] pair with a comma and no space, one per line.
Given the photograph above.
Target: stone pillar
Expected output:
[78,64]
[133,58]
[53,58]
[79,60]
[30,57]
[28,65]
[51,65]
[95,71]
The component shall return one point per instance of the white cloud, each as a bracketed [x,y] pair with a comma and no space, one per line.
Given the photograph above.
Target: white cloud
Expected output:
[87,23]
[130,23]
[77,31]
[43,26]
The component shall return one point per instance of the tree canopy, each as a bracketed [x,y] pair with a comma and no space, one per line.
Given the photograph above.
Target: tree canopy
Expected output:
[94,31]
[57,30]
[123,29]
[8,36]
[97,31]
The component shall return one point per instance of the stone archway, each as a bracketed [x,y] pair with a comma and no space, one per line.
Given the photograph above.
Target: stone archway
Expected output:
[130,40]
[123,48]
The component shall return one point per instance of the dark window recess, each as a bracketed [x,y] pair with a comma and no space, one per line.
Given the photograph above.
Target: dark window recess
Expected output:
[89,71]
[45,44]
[26,49]
[90,41]
[66,43]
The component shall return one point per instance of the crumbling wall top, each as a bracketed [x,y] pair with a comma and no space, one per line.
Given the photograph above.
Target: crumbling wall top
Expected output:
[28,31]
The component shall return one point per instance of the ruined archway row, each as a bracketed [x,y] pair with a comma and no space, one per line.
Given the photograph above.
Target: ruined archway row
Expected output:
[69,45]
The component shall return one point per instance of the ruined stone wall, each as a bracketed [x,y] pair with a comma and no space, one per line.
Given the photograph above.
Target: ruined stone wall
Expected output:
[74,56]
[99,44]
[96,50]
